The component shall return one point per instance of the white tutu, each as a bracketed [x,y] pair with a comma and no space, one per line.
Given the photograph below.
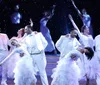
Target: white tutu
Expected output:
[89,67]
[11,64]
[24,71]
[12,60]
[66,73]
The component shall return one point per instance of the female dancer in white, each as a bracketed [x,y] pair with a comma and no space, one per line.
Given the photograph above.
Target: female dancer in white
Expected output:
[15,57]
[24,73]
[45,31]
[67,71]
[87,41]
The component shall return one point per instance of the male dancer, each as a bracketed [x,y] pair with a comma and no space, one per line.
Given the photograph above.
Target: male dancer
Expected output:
[36,44]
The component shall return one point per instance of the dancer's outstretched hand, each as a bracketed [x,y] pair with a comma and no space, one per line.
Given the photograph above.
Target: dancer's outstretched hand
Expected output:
[73,3]
[31,22]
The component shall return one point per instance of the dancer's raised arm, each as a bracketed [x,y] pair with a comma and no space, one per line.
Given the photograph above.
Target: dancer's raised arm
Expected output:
[31,22]
[79,13]
[51,13]
[53,9]
[73,23]
[7,57]
[75,26]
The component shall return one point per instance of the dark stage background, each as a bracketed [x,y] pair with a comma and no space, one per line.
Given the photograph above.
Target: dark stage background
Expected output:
[58,25]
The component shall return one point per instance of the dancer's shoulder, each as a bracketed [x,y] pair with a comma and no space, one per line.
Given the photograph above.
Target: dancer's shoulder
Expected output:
[64,36]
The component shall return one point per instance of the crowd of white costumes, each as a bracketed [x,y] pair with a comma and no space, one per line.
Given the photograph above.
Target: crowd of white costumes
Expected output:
[86,40]
[66,69]
[87,66]
[24,70]
[65,44]
[36,62]
[36,44]
[33,48]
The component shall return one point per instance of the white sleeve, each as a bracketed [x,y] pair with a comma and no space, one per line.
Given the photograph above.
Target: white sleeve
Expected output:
[15,50]
[77,44]
[79,34]
[40,42]
[59,43]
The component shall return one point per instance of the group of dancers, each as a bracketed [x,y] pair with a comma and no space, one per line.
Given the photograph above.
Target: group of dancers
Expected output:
[26,57]
[78,58]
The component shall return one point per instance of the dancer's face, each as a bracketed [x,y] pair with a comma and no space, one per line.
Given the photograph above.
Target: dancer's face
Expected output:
[86,51]
[83,50]
[84,11]
[45,13]
[19,32]
[86,30]
[73,33]
[27,30]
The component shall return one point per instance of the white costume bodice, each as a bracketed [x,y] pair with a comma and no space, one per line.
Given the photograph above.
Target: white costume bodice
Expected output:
[66,44]
[86,41]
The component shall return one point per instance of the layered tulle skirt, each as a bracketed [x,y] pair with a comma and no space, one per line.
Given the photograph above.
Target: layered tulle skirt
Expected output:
[66,73]
[90,67]
[24,72]
[11,63]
